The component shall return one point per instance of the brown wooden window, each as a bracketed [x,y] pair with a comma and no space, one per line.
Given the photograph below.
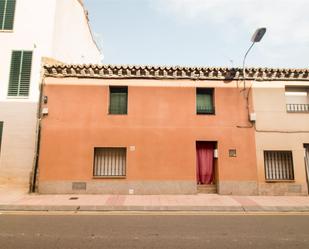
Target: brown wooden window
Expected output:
[278,165]
[109,162]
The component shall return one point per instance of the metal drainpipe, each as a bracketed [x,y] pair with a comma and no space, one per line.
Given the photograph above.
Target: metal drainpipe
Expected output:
[38,136]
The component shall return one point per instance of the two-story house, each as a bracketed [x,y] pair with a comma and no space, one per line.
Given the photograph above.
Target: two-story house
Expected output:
[29,31]
[173,130]
[282,133]
[144,130]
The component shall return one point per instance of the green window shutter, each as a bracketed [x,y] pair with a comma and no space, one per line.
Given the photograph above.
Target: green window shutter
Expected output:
[118,100]
[19,82]
[204,101]
[1,129]
[7,13]
[14,73]
[2,7]
[25,73]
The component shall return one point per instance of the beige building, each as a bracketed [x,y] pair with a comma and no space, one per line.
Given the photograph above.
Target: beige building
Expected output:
[29,31]
[282,133]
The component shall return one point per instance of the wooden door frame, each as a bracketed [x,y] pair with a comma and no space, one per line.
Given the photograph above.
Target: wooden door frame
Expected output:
[215,160]
[306,159]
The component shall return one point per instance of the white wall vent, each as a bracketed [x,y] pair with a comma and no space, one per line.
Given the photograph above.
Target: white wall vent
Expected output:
[252,117]
[216,153]
[45,111]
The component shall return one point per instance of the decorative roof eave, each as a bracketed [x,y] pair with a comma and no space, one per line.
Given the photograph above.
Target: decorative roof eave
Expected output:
[164,72]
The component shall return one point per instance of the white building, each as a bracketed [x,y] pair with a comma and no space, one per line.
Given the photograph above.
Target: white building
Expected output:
[29,31]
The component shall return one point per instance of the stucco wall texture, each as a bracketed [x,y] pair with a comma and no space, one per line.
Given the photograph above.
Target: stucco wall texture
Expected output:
[159,132]
[279,130]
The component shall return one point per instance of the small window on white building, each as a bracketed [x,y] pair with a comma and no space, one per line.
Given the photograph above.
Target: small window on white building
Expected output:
[278,165]
[7,14]
[20,74]
[297,99]
[109,162]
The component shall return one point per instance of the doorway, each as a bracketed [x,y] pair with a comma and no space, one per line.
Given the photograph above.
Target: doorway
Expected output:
[205,162]
[307,163]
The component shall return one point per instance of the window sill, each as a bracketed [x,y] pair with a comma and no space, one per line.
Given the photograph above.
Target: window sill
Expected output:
[277,181]
[203,114]
[109,177]
[6,31]
[17,97]
[298,112]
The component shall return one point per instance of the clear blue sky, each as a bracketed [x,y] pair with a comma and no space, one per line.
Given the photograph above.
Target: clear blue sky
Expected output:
[201,32]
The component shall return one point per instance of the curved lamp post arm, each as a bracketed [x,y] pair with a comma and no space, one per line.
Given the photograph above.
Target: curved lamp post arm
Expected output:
[257,37]
[244,65]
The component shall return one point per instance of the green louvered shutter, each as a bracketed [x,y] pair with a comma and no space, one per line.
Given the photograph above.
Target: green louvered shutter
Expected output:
[1,129]
[2,7]
[7,13]
[19,83]
[14,73]
[25,73]
[204,101]
[118,100]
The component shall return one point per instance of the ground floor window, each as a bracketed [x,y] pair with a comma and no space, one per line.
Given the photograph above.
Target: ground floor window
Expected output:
[110,162]
[278,165]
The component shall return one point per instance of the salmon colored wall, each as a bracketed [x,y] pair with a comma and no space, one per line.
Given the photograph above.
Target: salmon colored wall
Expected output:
[161,123]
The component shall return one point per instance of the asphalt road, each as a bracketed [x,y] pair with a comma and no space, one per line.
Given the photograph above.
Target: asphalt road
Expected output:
[23,231]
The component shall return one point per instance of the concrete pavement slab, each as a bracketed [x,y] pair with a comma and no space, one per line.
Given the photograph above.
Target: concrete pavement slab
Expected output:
[21,201]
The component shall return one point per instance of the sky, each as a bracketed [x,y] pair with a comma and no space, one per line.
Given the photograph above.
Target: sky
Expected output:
[209,33]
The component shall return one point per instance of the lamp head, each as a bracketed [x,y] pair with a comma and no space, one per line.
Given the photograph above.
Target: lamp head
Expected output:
[258,35]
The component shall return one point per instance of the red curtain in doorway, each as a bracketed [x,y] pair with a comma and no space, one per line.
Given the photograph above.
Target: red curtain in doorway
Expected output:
[204,162]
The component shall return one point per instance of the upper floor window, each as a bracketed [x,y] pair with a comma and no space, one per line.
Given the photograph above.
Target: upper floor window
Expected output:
[19,83]
[118,100]
[205,101]
[7,13]
[297,99]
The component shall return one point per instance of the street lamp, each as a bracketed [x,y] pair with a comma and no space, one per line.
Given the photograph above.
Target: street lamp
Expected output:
[257,37]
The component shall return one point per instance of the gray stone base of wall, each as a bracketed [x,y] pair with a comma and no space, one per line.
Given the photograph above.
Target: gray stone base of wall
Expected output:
[118,187]
[282,188]
[237,188]
[168,187]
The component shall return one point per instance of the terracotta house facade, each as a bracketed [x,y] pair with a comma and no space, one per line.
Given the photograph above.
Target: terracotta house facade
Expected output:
[163,130]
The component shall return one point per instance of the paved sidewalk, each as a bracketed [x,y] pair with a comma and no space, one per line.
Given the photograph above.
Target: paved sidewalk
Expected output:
[21,201]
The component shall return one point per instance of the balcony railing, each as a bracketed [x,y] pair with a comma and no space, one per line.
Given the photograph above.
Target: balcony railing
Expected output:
[303,108]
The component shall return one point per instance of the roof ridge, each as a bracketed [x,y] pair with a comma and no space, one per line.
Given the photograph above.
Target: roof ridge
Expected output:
[173,72]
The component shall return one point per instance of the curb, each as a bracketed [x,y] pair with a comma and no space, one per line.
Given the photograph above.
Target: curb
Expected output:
[154,208]
[117,208]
